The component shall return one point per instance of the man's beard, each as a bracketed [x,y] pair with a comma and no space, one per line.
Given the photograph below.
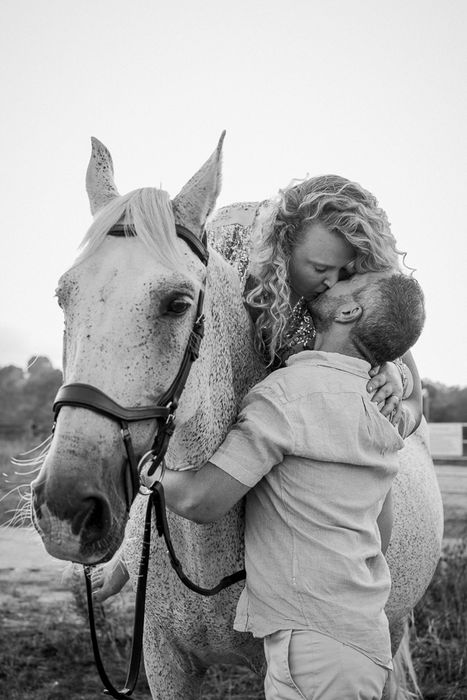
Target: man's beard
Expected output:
[323,310]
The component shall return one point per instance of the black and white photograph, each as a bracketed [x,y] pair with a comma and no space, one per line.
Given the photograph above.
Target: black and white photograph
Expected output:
[233,376]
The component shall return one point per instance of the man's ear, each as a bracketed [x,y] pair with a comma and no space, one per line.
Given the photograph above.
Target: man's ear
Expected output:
[348,312]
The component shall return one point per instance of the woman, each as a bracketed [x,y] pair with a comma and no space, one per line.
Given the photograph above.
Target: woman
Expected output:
[316,232]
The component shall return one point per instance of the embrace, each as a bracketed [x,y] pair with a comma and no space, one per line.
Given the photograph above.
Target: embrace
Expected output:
[304,405]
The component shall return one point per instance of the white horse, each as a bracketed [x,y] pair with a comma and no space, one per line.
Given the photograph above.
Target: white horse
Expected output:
[129,304]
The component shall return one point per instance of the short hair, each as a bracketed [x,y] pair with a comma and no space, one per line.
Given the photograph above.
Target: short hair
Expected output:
[344,207]
[392,319]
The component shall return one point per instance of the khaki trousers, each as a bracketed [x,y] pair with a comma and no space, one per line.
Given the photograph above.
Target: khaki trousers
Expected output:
[307,665]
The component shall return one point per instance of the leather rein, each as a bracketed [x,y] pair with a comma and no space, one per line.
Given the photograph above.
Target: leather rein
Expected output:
[89,397]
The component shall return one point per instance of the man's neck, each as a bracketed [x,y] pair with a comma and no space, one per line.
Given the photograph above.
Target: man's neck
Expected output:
[337,341]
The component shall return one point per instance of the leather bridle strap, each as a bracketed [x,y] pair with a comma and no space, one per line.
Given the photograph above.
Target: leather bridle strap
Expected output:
[173,393]
[80,395]
[89,397]
[156,500]
[157,497]
[138,622]
[197,245]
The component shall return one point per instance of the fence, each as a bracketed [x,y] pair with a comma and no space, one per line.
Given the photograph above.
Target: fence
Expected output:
[448,440]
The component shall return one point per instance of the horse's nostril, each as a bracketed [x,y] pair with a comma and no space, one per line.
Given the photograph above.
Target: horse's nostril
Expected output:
[93,521]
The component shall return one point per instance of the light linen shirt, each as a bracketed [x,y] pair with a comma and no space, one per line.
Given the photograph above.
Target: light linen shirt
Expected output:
[322,459]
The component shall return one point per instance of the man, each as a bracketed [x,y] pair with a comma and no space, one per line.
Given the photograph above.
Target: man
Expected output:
[321,459]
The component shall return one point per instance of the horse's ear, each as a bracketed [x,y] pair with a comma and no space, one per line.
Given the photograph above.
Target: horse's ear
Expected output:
[100,177]
[197,199]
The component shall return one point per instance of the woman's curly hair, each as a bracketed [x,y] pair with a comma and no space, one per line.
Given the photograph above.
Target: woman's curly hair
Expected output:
[343,207]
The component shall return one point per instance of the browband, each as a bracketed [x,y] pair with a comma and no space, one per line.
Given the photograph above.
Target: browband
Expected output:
[197,245]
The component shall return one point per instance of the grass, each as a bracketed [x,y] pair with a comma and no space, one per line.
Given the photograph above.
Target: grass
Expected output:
[439,647]
[55,662]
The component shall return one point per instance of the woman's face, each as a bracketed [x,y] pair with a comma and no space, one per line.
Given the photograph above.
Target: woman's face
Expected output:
[317,261]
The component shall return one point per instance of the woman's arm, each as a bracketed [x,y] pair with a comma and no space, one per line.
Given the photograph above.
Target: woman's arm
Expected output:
[403,405]
[413,404]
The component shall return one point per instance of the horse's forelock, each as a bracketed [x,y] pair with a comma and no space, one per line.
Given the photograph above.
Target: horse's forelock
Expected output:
[150,211]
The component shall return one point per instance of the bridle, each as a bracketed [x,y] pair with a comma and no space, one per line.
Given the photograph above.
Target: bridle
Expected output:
[89,397]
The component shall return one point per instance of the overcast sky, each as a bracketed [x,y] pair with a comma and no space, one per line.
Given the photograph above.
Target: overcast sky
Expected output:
[374,91]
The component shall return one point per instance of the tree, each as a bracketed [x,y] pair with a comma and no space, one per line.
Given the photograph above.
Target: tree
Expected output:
[27,397]
[447,404]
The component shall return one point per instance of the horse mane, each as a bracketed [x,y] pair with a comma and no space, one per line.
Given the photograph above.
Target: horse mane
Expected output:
[149,211]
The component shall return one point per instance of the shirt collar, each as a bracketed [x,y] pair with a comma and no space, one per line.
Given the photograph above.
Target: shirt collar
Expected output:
[355,365]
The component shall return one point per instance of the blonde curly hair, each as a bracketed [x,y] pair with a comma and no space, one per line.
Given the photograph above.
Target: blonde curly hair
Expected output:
[342,206]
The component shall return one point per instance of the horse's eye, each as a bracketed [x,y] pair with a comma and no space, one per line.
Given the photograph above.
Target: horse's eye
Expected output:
[178,307]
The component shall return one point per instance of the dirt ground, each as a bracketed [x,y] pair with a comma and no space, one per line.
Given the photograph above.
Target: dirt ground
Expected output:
[28,573]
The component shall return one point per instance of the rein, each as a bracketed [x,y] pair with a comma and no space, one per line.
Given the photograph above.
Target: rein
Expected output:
[93,399]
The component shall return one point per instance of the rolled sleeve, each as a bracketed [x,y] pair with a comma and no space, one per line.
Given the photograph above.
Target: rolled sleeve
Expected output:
[260,438]
[406,424]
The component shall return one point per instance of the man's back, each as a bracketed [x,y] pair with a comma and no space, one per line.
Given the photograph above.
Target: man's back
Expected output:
[327,458]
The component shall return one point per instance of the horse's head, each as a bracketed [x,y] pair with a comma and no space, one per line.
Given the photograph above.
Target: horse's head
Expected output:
[130,302]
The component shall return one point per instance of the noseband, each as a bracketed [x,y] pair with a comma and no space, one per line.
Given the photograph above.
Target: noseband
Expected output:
[89,397]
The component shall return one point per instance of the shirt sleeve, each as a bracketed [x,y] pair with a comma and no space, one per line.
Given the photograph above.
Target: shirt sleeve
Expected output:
[407,423]
[260,438]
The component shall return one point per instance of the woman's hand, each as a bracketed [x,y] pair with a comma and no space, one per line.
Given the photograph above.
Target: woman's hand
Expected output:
[386,386]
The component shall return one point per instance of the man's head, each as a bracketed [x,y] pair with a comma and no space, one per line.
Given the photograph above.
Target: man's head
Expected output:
[377,315]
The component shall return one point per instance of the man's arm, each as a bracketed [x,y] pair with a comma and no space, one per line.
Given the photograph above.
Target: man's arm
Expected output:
[204,495]
[259,439]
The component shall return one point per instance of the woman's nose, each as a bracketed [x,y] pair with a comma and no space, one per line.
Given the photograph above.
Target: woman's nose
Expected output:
[331,279]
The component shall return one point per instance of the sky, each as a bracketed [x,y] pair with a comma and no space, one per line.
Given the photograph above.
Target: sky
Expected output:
[371,90]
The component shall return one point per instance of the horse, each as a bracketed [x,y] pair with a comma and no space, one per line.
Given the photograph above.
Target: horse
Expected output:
[130,302]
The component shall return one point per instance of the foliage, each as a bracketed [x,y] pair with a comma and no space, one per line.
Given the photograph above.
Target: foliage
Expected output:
[447,404]
[27,398]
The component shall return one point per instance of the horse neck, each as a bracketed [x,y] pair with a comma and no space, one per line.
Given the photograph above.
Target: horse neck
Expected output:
[228,364]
